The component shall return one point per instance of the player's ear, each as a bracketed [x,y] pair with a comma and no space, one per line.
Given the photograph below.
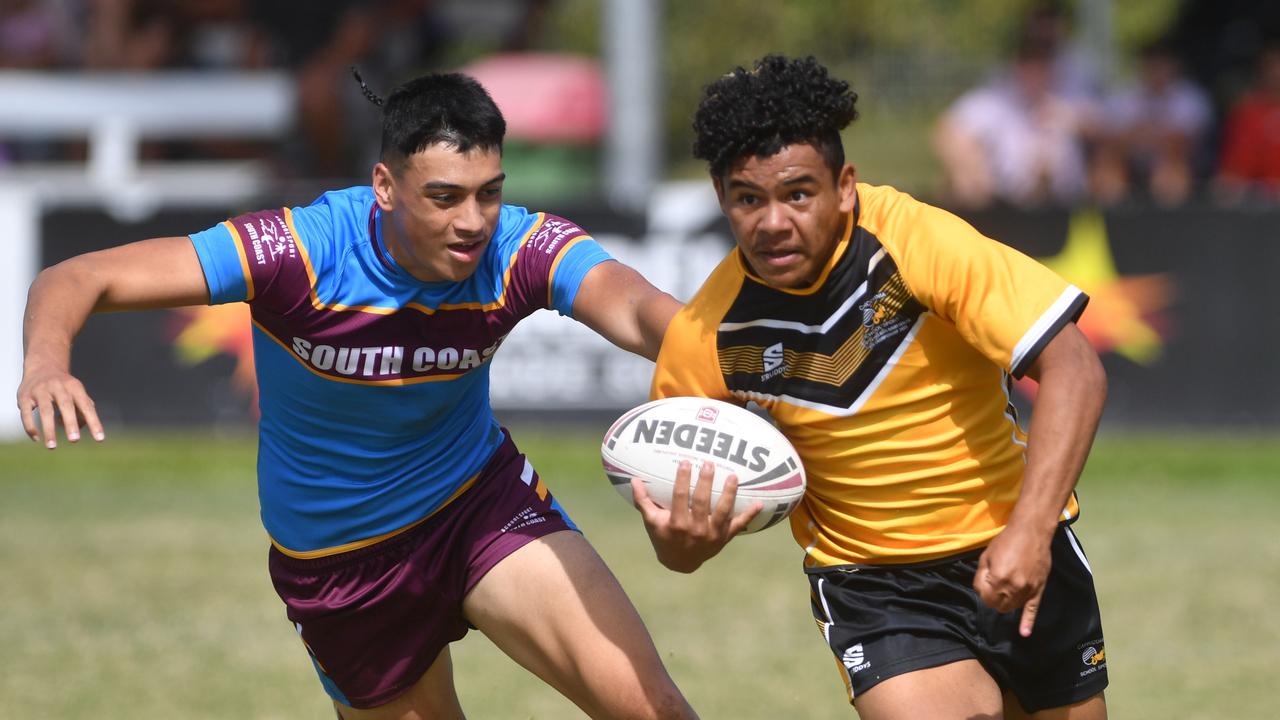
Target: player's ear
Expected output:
[847,187]
[383,187]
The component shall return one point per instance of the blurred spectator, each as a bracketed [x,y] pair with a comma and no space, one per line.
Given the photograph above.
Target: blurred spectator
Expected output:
[33,34]
[386,38]
[1219,41]
[222,36]
[1016,139]
[1251,141]
[132,35]
[1152,131]
[1073,71]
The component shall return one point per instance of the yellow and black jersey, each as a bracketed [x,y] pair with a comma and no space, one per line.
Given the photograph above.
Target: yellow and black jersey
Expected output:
[890,375]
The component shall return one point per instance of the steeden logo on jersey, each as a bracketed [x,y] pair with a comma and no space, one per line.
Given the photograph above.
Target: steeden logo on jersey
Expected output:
[775,362]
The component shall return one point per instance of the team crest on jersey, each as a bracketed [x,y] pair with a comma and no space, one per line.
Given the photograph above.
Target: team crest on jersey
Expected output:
[774,361]
[269,238]
[878,322]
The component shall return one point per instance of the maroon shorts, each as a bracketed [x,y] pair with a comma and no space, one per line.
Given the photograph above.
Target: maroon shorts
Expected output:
[375,618]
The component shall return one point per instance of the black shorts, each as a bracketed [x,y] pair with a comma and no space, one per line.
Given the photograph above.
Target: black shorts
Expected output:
[883,621]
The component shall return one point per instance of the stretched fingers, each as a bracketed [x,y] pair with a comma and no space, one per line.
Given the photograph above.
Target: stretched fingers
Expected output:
[680,491]
[649,509]
[701,506]
[27,409]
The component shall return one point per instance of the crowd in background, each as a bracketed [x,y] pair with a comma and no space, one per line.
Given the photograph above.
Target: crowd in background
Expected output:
[316,41]
[1199,118]
[1046,129]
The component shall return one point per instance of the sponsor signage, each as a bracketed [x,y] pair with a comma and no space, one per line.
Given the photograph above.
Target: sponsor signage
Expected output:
[1181,311]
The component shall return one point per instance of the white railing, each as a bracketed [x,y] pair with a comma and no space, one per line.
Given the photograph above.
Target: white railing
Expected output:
[115,113]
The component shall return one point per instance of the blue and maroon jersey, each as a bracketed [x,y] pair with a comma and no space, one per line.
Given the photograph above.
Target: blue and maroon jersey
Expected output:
[374,385]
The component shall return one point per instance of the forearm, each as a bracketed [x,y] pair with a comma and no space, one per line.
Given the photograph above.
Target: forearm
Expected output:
[654,317]
[624,308]
[58,303]
[1064,419]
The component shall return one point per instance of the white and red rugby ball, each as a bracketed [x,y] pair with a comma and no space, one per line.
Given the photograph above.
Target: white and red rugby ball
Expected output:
[648,442]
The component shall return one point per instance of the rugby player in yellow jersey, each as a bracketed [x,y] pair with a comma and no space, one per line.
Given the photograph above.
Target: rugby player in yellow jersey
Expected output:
[881,333]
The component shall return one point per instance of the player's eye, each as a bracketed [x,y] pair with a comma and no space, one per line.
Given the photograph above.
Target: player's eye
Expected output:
[748,200]
[799,195]
[490,193]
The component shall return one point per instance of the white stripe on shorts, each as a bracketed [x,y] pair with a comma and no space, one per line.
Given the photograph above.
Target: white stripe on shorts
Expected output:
[826,610]
[527,473]
[1075,545]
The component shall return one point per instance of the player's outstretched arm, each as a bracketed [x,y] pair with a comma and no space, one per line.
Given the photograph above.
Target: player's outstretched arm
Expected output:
[1012,571]
[162,272]
[692,532]
[620,305]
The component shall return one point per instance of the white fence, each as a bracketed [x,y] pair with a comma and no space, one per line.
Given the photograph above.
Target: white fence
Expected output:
[115,112]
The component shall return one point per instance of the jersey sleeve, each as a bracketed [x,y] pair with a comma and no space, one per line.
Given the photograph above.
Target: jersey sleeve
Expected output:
[553,262]
[1003,303]
[688,363]
[255,258]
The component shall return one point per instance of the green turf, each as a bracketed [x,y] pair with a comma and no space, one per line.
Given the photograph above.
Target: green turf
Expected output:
[134,586]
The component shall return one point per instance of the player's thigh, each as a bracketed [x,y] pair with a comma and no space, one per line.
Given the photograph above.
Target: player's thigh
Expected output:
[432,696]
[960,690]
[1094,708]
[556,609]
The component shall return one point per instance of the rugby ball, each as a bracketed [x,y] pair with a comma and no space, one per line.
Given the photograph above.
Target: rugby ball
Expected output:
[648,442]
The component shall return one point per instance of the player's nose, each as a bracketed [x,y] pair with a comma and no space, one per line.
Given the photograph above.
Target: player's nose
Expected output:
[469,221]
[775,219]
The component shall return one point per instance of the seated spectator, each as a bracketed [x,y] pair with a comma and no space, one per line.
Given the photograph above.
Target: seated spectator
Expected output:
[1251,141]
[1074,71]
[31,35]
[1151,132]
[1016,139]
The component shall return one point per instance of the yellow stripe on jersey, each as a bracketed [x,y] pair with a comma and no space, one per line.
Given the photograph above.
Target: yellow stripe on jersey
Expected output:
[896,398]
[551,273]
[244,259]
[378,310]
[358,544]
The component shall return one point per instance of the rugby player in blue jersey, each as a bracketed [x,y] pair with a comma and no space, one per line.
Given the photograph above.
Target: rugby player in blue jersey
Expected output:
[400,512]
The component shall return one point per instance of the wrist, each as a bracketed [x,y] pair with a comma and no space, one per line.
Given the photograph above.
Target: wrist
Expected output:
[33,360]
[1041,524]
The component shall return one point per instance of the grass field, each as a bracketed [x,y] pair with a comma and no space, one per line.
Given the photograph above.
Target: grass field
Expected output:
[134,586]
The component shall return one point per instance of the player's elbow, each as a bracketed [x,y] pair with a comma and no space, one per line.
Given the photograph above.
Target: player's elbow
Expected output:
[70,274]
[1093,377]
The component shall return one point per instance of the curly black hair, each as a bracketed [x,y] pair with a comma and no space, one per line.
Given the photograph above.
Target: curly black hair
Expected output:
[782,101]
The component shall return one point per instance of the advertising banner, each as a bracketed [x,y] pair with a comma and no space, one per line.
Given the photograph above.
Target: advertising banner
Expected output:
[1182,311]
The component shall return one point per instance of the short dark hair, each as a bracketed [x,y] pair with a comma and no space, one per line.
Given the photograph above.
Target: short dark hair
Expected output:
[448,108]
[755,113]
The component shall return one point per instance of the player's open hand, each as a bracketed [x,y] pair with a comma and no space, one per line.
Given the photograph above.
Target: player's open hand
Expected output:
[1012,572]
[45,396]
[692,531]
